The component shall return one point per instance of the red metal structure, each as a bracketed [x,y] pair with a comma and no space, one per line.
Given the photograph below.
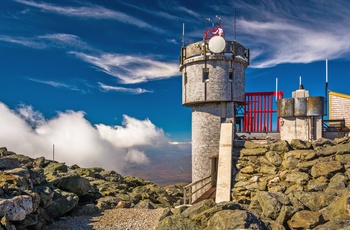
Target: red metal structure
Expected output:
[260,112]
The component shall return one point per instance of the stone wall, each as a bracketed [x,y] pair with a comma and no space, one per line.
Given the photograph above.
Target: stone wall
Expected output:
[298,184]
[339,105]
[278,185]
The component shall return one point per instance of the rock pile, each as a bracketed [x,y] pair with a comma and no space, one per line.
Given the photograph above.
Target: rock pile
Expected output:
[35,192]
[279,185]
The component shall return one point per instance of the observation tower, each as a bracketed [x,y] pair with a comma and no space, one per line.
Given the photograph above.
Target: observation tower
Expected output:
[213,81]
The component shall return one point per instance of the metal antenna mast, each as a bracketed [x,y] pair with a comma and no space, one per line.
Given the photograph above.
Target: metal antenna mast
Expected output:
[183,35]
[235,26]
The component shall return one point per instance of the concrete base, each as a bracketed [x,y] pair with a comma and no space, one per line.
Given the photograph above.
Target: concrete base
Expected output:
[223,186]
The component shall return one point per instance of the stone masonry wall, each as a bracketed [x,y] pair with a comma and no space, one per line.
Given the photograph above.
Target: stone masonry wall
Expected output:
[206,120]
[339,107]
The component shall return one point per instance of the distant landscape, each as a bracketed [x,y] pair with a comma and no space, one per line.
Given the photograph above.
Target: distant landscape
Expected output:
[164,169]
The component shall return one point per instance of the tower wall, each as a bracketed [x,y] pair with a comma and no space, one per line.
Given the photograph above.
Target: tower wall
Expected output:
[206,122]
[218,86]
[211,83]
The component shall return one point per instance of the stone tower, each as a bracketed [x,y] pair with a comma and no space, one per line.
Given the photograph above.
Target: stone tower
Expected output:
[213,80]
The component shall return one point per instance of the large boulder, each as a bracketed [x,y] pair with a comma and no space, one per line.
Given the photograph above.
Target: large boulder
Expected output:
[234,219]
[299,144]
[62,203]
[327,169]
[305,219]
[75,184]
[341,208]
[16,208]
[198,208]
[269,203]
[9,163]
[175,222]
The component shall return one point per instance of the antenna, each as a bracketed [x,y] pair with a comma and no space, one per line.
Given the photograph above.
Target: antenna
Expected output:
[218,19]
[300,85]
[276,88]
[53,152]
[235,25]
[183,34]
[326,90]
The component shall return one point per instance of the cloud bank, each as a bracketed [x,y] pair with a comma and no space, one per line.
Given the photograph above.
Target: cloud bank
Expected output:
[76,141]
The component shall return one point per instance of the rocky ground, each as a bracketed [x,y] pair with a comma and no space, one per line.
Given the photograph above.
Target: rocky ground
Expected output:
[123,219]
[276,185]
[37,192]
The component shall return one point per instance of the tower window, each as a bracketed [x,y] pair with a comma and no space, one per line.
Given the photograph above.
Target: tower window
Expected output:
[185,78]
[205,74]
[230,74]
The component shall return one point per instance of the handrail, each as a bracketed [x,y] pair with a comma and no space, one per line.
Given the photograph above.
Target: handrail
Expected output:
[195,189]
[333,125]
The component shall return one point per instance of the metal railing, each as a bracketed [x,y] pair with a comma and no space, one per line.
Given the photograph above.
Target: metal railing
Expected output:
[333,125]
[194,190]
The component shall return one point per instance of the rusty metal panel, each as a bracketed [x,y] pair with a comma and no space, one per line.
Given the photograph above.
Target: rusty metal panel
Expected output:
[300,107]
[285,107]
[315,106]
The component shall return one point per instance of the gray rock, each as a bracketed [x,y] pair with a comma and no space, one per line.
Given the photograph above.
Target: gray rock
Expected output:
[339,181]
[305,219]
[176,222]
[107,202]
[84,210]
[327,169]
[314,201]
[62,203]
[299,144]
[253,145]
[23,160]
[334,224]
[269,204]
[297,177]
[123,204]
[16,208]
[145,204]
[318,184]
[340,209]
[285,214]
[76,184]
[234,219]
[198,208]
[253,152]
[344,158]
[323,141]
[280,146]
[274,158]
[9,163]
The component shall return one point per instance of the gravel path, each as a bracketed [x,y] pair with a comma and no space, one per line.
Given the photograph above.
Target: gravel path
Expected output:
[126,219]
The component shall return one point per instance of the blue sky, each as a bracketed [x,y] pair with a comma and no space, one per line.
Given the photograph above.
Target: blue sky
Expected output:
[85,74]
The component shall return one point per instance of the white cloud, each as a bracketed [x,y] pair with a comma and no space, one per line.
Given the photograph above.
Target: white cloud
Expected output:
[59,40]
[131,69]
[136,156]
[57,84]
[23,41]
[294,33]
[143,133]
[91,11]
[123,89]
[76,141]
